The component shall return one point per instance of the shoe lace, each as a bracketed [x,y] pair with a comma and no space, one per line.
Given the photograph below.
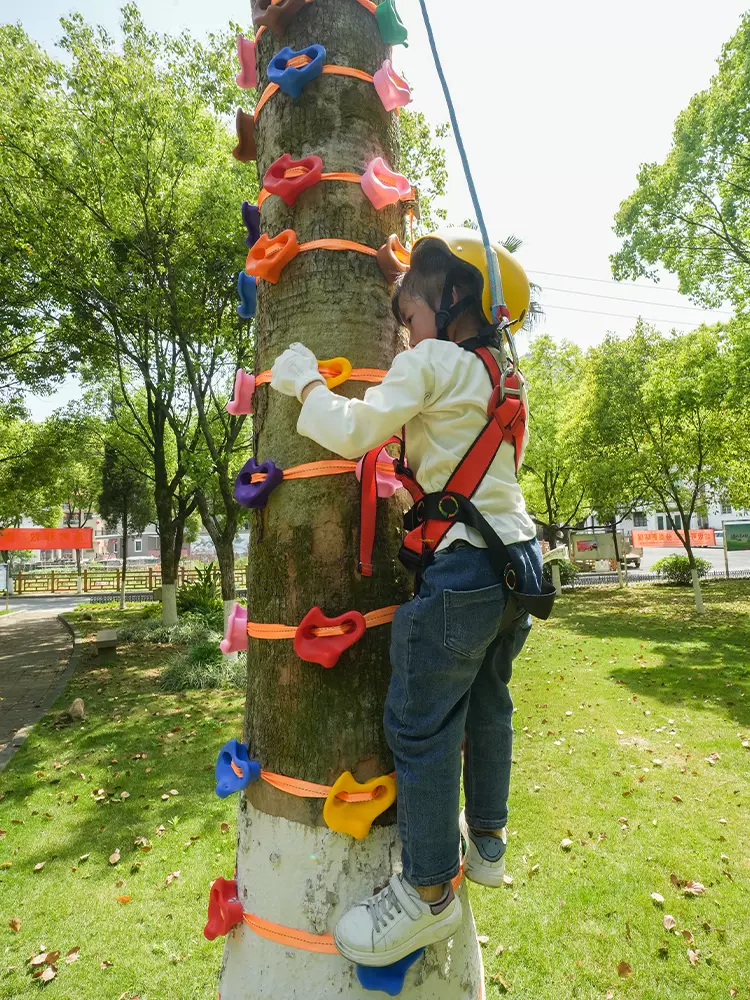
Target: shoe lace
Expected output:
[379,907]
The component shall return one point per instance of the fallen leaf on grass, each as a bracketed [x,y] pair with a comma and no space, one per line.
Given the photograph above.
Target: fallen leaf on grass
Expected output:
[688,935]
[499,981]
[693,888]
[483,939]
[161,830]
[224,827]
[39,959]
[38,868]
[657,897]
[106,964]
[15,924]
[46,974]
[623,969]
[6,864]
[669,922]
[51,957]
[124,795]
[73,955]
[114,858]
[171,877]
[124,899]
[694,956]
[3,834]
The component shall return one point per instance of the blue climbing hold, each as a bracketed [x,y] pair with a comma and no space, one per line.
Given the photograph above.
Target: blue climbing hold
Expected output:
[388,978]
[247,291]
[234,769]
[293,79]
[251,218]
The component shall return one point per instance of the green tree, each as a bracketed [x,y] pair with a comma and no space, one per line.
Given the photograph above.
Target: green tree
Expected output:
[659,404]
[691,213]
[422,160]
[115,173]
[554,476]
[125,500]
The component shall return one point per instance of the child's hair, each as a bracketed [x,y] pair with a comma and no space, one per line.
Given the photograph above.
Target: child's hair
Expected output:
[427,276]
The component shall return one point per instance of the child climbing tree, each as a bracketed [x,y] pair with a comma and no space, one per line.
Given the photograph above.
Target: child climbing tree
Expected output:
[295,875]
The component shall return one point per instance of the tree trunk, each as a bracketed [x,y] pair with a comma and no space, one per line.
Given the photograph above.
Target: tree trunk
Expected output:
[222,535]
[697,592]
[124,554]
[302,720]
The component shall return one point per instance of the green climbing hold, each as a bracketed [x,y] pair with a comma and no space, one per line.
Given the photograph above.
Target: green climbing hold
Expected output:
[392,29]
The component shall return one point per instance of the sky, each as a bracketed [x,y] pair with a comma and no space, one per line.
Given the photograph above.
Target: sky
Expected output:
[558,105]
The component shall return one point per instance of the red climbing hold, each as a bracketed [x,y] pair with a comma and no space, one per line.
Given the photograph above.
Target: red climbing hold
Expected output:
[224,909]
[288,178]
[313,643]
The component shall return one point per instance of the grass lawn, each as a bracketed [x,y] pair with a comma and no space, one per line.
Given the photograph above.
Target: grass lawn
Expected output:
[630,722]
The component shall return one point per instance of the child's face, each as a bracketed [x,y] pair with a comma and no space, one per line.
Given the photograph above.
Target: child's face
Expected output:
[419,319]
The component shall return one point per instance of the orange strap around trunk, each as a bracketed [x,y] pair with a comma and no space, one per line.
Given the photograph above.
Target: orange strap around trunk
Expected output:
[296,172]
[261,630]
[294,938]
[334,467]
[357,375]
[271,89]
[309,790]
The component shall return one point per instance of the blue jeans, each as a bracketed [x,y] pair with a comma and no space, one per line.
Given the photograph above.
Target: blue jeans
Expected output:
[449,681]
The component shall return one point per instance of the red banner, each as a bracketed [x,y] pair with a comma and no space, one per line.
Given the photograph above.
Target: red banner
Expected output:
[19,539]
[698,536]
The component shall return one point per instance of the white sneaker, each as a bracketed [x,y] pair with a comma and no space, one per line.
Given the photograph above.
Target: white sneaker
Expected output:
[483,857]
[394,923]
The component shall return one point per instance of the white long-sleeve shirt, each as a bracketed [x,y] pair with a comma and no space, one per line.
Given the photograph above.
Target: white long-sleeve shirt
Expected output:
[439,393]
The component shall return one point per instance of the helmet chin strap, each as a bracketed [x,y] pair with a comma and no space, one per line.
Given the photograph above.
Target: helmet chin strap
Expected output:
[448,310]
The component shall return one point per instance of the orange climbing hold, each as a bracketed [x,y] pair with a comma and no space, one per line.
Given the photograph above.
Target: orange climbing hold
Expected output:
[351,807]
[394,259]
[270,254]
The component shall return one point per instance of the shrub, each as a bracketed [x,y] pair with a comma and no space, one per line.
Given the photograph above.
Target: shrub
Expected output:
[202,595]
[567,572]
[204,666]
[676,569]
[189,628]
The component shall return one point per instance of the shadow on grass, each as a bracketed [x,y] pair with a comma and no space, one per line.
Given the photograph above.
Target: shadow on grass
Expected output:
[127,716]
[705,659]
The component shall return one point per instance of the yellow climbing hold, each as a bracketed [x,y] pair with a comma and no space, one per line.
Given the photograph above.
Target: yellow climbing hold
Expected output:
[351,807]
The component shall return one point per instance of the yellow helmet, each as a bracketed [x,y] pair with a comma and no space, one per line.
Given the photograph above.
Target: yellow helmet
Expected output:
[466,245]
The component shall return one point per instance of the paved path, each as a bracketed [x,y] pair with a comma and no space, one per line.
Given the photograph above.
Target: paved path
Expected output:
[35,650]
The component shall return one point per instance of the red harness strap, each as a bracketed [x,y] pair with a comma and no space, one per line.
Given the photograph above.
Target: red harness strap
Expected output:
[507,422]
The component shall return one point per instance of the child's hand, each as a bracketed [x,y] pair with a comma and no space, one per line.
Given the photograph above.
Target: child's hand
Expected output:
[295,369]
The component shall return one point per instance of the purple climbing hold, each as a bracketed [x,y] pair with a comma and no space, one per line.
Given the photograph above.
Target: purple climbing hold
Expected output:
[251,218]
[255,495]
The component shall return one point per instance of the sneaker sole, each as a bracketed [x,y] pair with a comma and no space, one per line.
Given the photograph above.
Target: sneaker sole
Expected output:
[431,934]
[491,877]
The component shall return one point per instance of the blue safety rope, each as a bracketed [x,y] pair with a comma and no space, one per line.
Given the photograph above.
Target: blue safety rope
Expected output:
[496,284]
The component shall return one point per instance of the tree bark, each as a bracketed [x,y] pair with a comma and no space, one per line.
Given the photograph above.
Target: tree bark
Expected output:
[124,554]
[302,720]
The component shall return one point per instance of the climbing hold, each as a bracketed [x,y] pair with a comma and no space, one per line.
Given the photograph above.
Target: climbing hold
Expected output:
[387,978]
[393,258]
[246,289]
[241,403]
[224,909]
[277,16]
[385,477]
[234,769]
[312,644]
[382,185]
[335,371]
[392,29]
[292,71]
[255,495]
[392,89]
[268,257]
[251,218]
[288,178]
[235,637]
[247,78]
[351,807]
[245,149]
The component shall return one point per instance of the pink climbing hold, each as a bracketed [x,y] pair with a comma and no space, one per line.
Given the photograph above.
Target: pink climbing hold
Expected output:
[241,403]
[235,640]
[247,78]
[382,185]
[386,480]
[392,89]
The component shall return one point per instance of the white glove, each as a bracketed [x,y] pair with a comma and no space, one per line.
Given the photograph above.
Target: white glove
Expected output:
[296,368]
